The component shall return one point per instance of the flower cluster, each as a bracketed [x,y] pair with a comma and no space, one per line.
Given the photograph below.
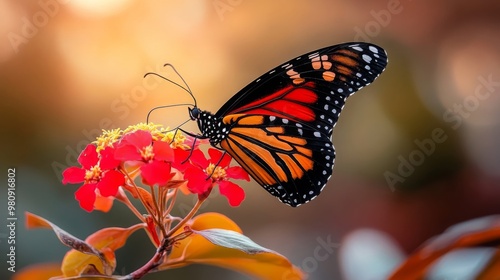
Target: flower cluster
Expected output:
[151,164]
[118,157]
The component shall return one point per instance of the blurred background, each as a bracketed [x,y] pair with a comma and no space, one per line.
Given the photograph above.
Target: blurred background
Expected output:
[417,151]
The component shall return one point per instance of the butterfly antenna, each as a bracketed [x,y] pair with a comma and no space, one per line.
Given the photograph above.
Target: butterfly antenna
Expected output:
[184,81]
[167,106]
[177,127]
[186,87]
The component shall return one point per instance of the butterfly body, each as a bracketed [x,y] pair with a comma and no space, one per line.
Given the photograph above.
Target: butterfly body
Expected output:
[279,127]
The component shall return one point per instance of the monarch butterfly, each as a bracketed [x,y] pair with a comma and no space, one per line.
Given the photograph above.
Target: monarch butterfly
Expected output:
[279,127]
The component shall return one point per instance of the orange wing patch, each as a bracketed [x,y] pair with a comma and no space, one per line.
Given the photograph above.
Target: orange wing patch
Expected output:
[260,135]
[266,153]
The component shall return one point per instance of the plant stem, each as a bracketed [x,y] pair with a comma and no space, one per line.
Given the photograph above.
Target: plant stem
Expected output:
[156,260]
[187,218]
[153,263]
[172,202]
[125,200]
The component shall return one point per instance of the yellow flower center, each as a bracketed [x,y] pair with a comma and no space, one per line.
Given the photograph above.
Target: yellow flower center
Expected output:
[217,174]
[151,127]
[107,139]
[147,153]
[176,140]
[93,174]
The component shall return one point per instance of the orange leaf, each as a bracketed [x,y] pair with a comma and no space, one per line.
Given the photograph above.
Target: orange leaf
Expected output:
[197,249]
[52,271]
[41,271]
[493,269]
[141,193]
[34,221]
[75,263]
[113,237]
[152,230]
[107,240]
[174,184]
[474,233]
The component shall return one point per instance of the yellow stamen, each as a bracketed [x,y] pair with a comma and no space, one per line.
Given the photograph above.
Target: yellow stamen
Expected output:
[176,140]
[147,153]
[107,139]
[93,174]
[155,129]
[218,174]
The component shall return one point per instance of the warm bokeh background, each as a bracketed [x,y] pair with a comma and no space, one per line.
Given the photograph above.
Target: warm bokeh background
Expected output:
[70,68]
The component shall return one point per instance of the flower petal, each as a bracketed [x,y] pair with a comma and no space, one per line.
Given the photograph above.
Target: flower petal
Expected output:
[127,152]
[199,159]
[193,142]
[238,173]
[88,157]
[181,162]
[163,151]
[156,172]
[233,192]
[86,196]
[73,175]
[197,180]
[138,139]
[111,180]
[216,155]
[103,203]
[108,160]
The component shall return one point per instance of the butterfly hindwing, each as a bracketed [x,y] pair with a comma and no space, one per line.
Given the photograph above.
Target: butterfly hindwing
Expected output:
[291,161]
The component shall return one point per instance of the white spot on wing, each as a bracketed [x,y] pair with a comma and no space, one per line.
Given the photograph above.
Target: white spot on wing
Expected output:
[373,49]
[367,58]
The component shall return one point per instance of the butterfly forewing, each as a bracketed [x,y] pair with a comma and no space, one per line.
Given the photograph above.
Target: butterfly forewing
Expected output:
[352,66]
[279,127]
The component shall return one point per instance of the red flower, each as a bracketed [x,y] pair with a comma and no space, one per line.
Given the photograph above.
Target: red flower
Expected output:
[98,174]
[155,157]
[199,183]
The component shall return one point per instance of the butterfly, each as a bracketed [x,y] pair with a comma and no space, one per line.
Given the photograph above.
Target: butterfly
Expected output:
[279,127]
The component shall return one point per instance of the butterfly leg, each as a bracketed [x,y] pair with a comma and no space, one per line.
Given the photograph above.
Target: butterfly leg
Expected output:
[196,137]
[217,164]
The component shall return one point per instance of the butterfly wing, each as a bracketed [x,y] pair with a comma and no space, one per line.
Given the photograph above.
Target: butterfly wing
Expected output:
[343,69]
[281,124]
[291,161]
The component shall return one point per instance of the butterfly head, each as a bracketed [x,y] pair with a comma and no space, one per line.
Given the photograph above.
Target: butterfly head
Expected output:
[194,113]
[211,127]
